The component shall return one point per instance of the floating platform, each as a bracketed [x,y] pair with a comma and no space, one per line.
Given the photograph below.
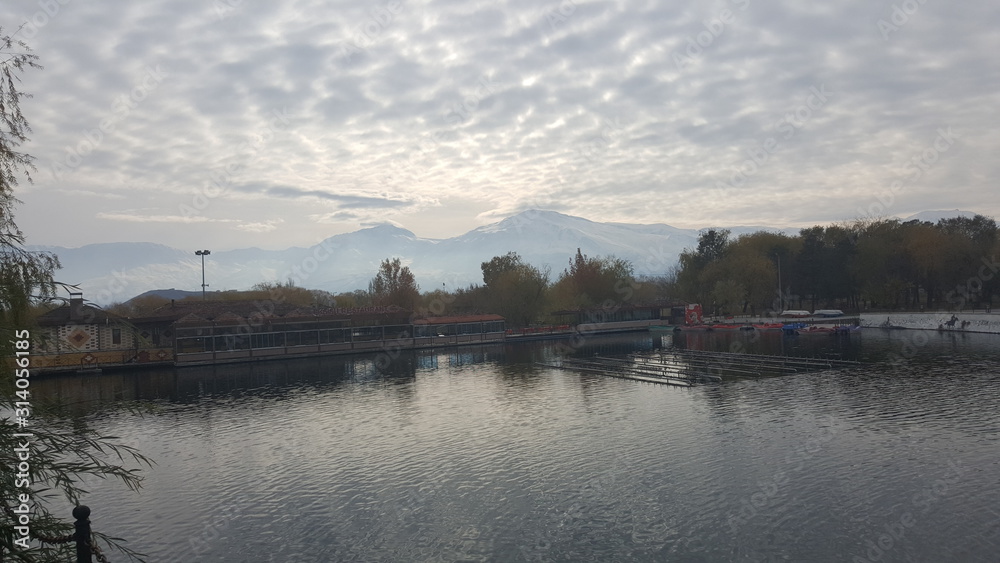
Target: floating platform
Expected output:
[684,368]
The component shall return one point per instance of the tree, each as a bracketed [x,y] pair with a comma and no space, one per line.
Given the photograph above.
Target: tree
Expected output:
[60,451]
[712,245]
[394,284]
[727,295]
[23,275]
[514,289]
[288,293]
[594,282]
[356,298]
[694,265]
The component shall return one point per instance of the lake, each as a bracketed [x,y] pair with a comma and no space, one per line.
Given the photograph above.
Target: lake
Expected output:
[484,454]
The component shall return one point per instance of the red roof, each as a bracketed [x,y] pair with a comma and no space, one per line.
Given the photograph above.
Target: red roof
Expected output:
[457,319]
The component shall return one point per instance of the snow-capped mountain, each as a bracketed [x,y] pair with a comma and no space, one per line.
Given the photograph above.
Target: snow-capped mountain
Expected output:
[114,272]
[935,216]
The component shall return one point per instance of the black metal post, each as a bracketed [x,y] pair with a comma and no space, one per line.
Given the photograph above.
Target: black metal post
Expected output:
[202,277]
[84,554]
[203,254]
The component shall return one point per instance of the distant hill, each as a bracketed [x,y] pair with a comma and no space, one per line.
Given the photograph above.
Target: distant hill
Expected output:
[175,294]
[935,216]
[114,272]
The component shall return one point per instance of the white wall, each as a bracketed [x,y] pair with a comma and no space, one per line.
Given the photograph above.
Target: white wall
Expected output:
[968,322]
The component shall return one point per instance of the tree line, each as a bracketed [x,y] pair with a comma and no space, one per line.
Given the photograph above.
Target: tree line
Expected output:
[861,265]
[864,265]
[522,293]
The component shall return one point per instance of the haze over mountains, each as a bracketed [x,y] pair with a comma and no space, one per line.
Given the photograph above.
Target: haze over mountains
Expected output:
[115,272]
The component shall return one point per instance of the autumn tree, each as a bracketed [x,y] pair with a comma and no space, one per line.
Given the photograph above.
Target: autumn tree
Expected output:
[695,265]
[394,284]
[514,289]
[883,263]
[469,300]
[140,306]
[356,298]
[591,282]
[287,292]
[974,242]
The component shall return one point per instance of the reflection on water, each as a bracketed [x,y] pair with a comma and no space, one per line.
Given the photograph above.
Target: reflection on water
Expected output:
[485,454]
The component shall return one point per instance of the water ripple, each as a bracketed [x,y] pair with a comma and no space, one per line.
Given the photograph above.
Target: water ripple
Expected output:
[496,461]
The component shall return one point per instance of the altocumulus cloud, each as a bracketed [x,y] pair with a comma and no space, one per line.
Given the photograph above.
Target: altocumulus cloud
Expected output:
[328,115]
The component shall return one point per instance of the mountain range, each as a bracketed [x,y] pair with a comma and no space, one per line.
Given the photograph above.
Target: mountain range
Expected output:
[114,272]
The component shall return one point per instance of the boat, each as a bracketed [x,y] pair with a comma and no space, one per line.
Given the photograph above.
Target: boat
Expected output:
[725,327]
[828,313]
[795,313]
[815,329]
[768,326]
[792,328]
[694,328]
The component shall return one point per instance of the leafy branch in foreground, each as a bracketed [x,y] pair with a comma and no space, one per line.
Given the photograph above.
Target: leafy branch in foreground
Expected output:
[48,466]
[62,455]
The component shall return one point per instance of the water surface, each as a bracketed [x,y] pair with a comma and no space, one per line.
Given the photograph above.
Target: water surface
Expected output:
[483,454]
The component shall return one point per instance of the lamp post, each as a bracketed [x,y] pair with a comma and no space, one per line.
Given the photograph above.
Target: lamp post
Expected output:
[203,254]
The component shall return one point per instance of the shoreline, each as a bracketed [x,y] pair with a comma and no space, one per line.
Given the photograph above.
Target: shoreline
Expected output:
[945,321]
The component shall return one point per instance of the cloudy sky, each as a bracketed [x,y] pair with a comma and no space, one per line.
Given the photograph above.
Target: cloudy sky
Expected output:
[234,123]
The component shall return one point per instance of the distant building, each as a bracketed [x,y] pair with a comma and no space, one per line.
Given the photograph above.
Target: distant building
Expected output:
[78,335]
[629,317]
[190,332]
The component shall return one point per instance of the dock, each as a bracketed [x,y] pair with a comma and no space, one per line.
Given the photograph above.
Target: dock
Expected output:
[684,368]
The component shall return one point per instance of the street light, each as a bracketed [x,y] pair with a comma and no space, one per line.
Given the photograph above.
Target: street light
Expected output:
[203,254]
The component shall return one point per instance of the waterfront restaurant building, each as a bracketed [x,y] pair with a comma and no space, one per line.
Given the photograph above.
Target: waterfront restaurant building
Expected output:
[192,332]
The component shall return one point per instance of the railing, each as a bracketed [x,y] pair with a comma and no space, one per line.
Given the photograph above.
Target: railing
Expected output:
[86,549]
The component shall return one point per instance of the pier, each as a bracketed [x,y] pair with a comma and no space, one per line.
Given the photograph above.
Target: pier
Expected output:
[682,367]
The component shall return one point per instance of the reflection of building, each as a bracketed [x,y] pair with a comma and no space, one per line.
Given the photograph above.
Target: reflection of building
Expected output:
[203,332]
[234,337]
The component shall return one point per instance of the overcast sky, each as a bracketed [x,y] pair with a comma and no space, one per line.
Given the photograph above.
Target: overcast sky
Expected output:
[235,123]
